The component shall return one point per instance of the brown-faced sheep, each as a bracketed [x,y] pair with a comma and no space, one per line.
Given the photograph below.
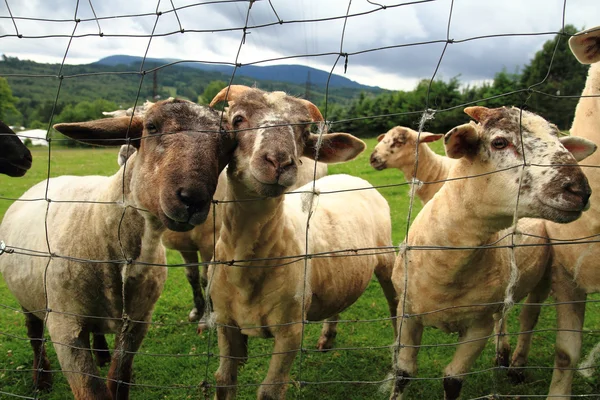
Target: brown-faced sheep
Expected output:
[89,260]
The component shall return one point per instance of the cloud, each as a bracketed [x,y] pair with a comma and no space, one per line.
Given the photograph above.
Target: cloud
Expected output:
[381,43]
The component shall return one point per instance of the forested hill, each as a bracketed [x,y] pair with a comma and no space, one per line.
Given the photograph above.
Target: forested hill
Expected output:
[37,91]
[295,74]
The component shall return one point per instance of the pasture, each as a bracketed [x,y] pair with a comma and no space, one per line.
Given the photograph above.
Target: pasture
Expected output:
[175,363]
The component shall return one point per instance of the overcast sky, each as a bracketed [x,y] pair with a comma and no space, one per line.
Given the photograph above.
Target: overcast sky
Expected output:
[310,30]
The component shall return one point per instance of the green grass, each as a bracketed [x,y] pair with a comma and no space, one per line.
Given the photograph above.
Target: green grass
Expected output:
[180,374]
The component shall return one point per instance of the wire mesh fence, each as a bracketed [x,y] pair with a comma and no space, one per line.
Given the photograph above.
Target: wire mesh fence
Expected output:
[104,279]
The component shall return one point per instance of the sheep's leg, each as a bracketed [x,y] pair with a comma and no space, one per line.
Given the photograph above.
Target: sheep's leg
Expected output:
[502,343]
[405,357]
[35,331]
[570,318]
[72,347]
[233,350]
[528,318]
[473,341]
[287,344]
[328,333]
[100,347]
[206,253]
[383,272]
[193,276]
[126,345]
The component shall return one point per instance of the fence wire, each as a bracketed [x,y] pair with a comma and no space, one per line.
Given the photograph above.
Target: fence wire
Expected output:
[176,361]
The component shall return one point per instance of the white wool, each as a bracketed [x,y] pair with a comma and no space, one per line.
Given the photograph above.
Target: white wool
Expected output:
[586,367]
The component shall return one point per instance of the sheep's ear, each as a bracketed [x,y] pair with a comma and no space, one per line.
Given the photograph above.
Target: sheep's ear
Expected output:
[125,152]
[580,148]
[426,137]
[105,132]
[228,93]
[585,45]
[313,110]
[380,137]
[334,147]
[478,113]
[462,141]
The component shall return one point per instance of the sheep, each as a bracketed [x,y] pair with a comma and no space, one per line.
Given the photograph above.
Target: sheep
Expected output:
[100,268]
[138,110]
[575,273]
[202,238]
[262,295]
[397,149]
[463,290]
[15,157]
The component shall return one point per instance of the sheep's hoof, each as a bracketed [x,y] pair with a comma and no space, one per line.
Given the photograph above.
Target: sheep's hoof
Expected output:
[452,387]
[194,315]
[502,358]
[402,379]
[516,375]
[326,342]
[202,326]
[42,381]
[102,357]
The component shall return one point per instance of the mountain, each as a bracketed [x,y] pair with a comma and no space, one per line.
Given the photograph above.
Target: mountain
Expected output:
[43,90]
[296,74]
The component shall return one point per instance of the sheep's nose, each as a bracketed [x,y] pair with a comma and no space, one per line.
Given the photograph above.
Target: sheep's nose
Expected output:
[194,200]
[280,162]
[580,188]
[373,158]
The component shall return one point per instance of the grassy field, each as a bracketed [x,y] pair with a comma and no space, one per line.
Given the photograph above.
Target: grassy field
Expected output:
[173,361]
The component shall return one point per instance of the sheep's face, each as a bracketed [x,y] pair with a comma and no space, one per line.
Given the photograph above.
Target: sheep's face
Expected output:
[180,153]
[15,157]
[178,163]
[397,148]
[519,157]
[273,132]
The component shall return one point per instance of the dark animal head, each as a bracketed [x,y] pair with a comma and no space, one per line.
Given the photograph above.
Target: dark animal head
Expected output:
[180,151]
[15,157]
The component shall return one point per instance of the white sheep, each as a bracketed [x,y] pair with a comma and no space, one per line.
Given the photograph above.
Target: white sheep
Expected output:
[202,238]
[267,296]
[89,259]
[15,157]
[575,269]
[398,149]
[463,290]
[138,111]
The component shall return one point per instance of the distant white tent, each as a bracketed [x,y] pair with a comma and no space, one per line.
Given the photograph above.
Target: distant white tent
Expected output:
[37,136]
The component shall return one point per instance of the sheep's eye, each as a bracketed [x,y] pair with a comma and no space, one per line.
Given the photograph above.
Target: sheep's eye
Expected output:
[499,143]
[238,119]
[151,128]
[306,133]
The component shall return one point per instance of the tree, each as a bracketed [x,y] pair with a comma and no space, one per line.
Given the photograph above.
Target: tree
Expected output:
[211,91]
[497,92]
[555,73]
[7,103]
